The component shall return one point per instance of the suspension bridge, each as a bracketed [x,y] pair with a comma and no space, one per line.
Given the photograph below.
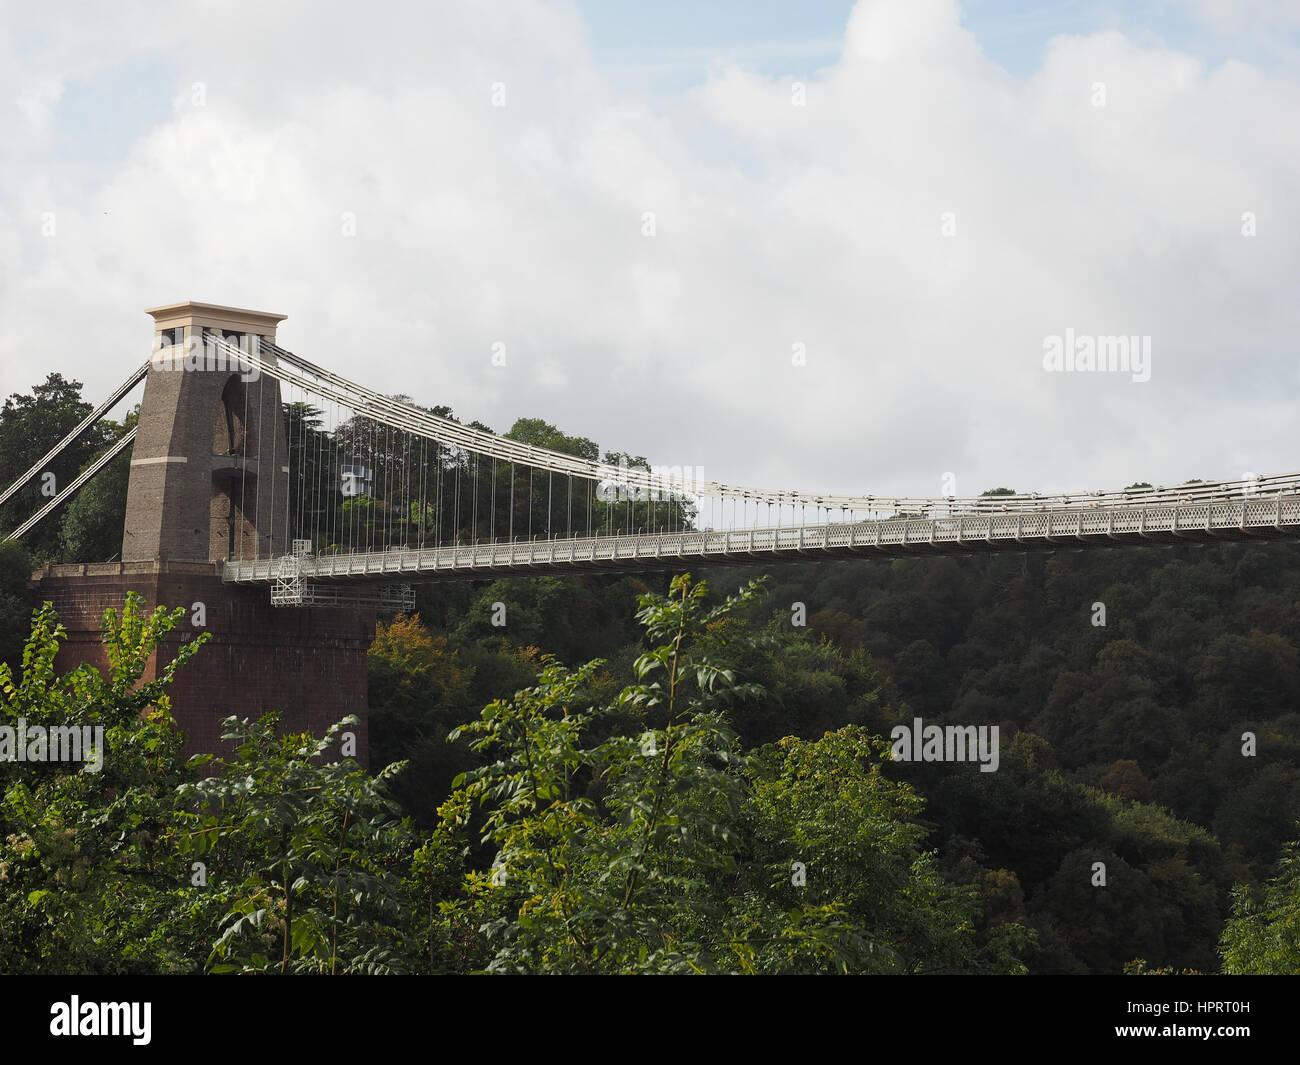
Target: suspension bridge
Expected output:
[261,482]
[329,493]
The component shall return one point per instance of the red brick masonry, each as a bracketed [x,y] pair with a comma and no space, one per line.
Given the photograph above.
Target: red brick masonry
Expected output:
[310,664]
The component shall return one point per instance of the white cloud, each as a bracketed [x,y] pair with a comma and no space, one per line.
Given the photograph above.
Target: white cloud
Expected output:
[1239,15]
[523,224]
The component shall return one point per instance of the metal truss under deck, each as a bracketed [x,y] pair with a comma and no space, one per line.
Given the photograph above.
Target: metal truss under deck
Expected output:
[291,586]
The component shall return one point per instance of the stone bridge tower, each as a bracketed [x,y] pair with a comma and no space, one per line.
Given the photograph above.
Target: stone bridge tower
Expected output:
[210,460]
[209,482]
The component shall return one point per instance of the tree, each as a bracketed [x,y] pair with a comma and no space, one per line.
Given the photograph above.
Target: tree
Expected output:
[837,841]
[90,528]
[311,855]
[29,427]
[1263,936]
[541,433]
[546,503]
[277,863]
[87,879]
[17,601]
[314,481]
[664,847]
[419,690]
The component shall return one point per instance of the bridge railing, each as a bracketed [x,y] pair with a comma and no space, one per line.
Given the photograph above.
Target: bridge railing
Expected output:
[1278,515]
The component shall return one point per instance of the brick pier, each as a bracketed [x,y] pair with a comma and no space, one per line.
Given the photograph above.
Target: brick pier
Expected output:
[309,664]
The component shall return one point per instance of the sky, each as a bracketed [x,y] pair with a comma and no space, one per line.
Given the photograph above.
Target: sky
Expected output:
[827,246]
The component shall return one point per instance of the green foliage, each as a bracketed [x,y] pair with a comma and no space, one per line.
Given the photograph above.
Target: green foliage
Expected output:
[309,855]
[17,601]
[86,881]
[1263,936]
[540,433]
[302,866]
[1199,647]
[1139,967]
[618,884]
[90,527]
[30,425]
[667,848]
[860,847]
[419,690]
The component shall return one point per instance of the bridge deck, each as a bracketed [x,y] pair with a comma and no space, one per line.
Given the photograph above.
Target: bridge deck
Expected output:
[1277,517]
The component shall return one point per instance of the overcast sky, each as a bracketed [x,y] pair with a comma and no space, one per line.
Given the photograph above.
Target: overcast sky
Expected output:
[821,246]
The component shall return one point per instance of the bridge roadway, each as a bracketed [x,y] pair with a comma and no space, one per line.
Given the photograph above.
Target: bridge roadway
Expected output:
[1276,517]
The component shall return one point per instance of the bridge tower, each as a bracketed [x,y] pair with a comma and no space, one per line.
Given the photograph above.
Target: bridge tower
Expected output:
[210,458]
[209,481]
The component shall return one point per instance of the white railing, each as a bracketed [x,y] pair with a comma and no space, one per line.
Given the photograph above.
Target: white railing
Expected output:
[1275,516]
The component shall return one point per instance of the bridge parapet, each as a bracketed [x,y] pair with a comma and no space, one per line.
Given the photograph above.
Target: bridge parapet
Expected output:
[1277,517]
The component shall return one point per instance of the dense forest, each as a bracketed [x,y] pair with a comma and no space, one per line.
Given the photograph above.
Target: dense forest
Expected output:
[659,773]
